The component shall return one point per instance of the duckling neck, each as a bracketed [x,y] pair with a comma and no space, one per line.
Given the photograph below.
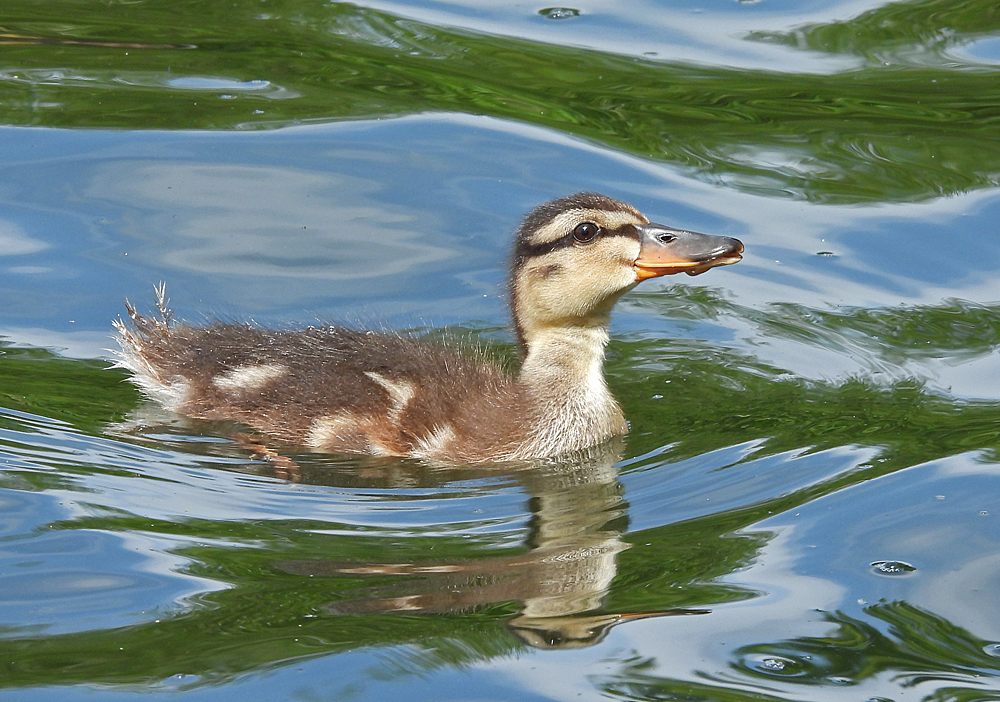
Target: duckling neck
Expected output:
[563,374]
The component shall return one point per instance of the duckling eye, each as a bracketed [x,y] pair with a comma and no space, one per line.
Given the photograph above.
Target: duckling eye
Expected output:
[586,232]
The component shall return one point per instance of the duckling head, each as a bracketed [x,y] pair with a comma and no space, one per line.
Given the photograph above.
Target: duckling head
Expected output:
[575,256]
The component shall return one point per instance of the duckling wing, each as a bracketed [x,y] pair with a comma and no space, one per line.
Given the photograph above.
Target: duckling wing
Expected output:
[328,388]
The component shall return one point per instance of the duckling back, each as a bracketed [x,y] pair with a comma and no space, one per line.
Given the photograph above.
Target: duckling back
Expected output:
[328,388]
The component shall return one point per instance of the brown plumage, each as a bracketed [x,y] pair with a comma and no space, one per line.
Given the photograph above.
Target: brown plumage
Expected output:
[345,390]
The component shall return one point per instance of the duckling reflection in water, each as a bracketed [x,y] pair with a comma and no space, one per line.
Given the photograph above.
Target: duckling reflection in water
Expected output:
[342,390]
[560,583]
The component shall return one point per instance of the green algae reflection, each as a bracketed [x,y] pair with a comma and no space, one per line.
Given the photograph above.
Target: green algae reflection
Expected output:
[274,611]
[888,130]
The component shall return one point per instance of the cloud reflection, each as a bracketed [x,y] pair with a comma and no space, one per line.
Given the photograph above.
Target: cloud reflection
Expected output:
[266,221]
[15,242]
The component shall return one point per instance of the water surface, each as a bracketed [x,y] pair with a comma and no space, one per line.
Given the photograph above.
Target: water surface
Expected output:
[805,507]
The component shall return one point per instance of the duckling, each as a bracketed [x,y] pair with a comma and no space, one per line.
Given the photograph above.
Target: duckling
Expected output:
[344,390]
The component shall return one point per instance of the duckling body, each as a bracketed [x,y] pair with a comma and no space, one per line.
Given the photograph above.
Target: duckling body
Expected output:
[344,390]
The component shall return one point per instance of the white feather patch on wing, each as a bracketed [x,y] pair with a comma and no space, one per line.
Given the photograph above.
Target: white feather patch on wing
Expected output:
[432,445]
[245,379]
[400,393]
[331,430]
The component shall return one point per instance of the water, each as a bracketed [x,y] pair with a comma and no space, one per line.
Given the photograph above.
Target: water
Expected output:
[805,505]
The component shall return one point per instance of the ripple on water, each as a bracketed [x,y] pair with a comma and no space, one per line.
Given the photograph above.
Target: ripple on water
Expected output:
[773,665]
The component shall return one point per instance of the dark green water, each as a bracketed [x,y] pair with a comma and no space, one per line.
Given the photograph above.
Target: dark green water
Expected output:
[806,506]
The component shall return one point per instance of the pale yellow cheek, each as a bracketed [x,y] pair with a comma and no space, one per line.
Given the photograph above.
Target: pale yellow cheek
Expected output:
[576,282]
[606,280]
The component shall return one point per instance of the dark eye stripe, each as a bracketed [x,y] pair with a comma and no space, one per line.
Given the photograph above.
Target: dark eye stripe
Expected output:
[523,250]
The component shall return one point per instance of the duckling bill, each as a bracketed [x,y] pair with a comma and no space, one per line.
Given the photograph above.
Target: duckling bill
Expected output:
[344,390]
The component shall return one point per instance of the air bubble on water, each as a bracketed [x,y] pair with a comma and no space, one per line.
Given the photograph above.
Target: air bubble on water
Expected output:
[559,13]
[892,568]
[777,665]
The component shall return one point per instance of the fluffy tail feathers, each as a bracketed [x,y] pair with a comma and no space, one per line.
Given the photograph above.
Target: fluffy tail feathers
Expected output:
[140,342]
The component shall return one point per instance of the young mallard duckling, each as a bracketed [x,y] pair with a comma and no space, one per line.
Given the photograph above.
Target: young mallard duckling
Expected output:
[343,390]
